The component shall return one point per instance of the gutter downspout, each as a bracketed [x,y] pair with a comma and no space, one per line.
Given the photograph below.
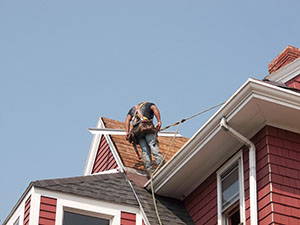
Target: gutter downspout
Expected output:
[252,169]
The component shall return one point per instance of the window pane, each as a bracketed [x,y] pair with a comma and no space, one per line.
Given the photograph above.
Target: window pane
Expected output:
[230,187]
[78,219]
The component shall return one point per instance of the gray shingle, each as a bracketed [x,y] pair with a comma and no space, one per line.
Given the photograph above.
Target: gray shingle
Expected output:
[114,188]
[109,187]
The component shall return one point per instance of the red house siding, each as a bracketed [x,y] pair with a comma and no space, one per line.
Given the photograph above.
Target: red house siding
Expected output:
[27,211]
[104,159]
[202,202]
[128,218]
[294,83]
[278,176]
[284,155]
[262,176]
[47,211]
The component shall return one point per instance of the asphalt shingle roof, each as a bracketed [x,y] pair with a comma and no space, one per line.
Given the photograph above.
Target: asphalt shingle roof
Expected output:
[114,188]
[107,187]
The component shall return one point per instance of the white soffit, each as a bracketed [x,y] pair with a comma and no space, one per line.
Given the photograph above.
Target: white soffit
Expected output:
[253,106]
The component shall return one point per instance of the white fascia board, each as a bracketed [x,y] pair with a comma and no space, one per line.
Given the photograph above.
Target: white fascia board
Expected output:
[88,206]
[111,131]
[286,73]
[200,138]
[94,147]
[93,151]
[113,149]
[107,172]
[250,89]
[18,209]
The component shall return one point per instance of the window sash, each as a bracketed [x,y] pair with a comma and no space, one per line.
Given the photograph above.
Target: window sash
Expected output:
[222,173]
[231,176]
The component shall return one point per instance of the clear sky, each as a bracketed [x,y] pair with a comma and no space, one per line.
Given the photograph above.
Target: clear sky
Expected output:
[64,63]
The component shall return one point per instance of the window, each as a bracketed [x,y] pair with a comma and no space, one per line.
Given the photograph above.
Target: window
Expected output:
[79,219]
[231,192]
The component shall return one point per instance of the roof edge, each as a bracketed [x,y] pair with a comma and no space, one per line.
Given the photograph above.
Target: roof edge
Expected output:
[113,148]
[18,202]
[209,129]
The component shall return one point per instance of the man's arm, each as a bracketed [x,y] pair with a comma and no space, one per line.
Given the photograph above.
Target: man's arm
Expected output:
[127,125]
[157,115]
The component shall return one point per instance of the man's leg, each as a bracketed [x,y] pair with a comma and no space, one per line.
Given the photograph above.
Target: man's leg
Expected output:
[152,142]
[146,155]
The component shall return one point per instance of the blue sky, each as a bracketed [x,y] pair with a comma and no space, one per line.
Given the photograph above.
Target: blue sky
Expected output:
[65,63]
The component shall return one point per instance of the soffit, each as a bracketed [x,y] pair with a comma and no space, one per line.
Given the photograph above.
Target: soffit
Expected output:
[261,104]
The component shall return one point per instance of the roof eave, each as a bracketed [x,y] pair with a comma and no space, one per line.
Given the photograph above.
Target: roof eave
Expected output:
[250,89]
[18,202]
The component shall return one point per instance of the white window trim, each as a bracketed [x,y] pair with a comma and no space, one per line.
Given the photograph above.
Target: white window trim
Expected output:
[82,205]
[238,157]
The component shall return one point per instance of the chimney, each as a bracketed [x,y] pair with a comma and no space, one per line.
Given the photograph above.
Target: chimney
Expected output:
[288,55]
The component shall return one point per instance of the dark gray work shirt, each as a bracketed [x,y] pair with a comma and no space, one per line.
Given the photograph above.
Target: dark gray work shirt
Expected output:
[145,110]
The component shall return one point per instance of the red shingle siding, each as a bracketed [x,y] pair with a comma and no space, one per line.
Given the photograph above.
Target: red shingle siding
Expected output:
[278,182]
[284,152]
[27,211]
[104,159]
[47,211]
[202,202]
[294,83]
[128,218]
[263,178]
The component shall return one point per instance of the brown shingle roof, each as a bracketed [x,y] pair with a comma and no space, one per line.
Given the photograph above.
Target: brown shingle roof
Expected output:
[126,151]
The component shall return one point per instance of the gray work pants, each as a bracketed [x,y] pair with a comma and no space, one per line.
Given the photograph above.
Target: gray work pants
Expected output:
[149,145]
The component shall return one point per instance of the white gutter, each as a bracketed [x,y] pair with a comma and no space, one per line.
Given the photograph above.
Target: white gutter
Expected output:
[252,169]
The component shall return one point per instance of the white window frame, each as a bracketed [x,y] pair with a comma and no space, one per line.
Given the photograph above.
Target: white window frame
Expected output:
[238,157]
[87,206]
[104,210]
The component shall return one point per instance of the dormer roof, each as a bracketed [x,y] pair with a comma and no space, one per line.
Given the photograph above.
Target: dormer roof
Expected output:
[122,151]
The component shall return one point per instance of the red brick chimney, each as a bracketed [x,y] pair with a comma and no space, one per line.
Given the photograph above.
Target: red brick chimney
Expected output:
[288,55]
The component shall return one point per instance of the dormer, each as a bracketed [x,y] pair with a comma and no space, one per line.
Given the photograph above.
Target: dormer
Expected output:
[110,152]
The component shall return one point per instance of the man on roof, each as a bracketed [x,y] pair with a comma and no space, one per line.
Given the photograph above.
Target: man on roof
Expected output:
[144,133]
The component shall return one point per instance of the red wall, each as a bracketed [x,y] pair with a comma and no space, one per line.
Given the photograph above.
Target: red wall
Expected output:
[278,182]
[294,83]
[202,202]
[27,211]
[262,176]
[104,158]
[47,211]
[284,155]
[128,218]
